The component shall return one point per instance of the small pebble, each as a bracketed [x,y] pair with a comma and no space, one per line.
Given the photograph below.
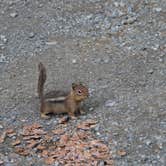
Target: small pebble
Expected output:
[160,145]
[129,20]
[32,34]
[2,58]
[23,120]
[158,9]
[148,142]
[121,4]
[41,5]
[14,14]
[1,162]
[91,91]
[1,127]
[51,43]
[12,161]
[74,61]
[55,139]
[91,109]
[2,47]
[106,59]
[116,4]
[97,60]
[85,59]
[150,71]
[110,103]
[56,163]
[98,133]
[161,60]
[156,47]
[11,3]
[3,38]
[121,152]
[97,127]
[101,163]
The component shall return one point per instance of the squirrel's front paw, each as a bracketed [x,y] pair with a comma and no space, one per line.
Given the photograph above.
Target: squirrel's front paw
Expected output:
[72,116]
[44,116]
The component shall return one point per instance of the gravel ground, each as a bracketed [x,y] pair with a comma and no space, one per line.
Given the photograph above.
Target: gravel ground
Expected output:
[117,48]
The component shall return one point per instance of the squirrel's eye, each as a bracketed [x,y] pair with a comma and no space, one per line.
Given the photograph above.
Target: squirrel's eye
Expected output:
[79,91]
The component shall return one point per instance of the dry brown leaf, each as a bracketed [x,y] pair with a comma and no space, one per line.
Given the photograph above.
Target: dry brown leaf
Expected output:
[9,131]
[78,148]
[99,155]
[87,154]
[98,144]
[74,137]
[64,120]
[36,125]
[81,156]
[11,135]
[91,121]
[32,129]
[32,144]
[58,131]
[44,153]
[32,126]
[2,137]
[83,126]
[49,160]
[54,152]
[64,139]
[82,134]
[87,124]
[63,153]
[121,152]
[34,132]
[32,137]
[40,147]
[22,151]
[52,147]
[16,142]
[39,131]
[48,138]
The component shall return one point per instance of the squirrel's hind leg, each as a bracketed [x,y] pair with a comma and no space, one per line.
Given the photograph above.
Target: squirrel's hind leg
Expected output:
[44,110]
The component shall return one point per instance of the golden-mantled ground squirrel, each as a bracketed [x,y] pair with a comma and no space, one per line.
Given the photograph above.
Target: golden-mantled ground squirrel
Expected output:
[57,101]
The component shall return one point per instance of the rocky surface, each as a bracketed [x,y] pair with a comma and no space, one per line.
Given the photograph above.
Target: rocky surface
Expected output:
[118,48]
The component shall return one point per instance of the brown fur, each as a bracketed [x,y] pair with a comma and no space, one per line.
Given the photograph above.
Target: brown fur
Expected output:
[57,101]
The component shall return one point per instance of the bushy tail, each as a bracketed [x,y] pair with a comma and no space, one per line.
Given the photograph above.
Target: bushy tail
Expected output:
[41,80]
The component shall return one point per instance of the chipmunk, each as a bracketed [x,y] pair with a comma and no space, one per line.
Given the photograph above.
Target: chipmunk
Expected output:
[58,101]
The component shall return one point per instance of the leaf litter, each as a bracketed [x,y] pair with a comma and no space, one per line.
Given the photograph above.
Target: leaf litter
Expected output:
[74,147]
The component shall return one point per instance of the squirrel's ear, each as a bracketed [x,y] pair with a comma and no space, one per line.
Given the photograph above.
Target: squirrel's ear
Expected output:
[74,85]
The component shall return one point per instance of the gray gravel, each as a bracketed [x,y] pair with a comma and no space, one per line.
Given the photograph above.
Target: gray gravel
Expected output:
[118,48]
